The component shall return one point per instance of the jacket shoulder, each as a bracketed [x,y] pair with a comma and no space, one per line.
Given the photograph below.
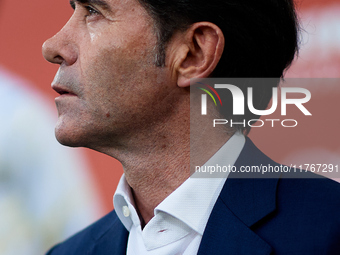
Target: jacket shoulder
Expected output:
[306,215]
[310,192]
[86,241]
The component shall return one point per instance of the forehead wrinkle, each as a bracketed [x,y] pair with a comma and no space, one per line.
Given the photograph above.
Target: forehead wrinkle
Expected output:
[101,3]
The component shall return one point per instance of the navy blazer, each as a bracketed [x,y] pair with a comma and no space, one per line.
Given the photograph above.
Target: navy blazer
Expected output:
[278,215]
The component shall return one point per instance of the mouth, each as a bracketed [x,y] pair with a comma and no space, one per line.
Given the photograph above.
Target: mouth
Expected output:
[63,91]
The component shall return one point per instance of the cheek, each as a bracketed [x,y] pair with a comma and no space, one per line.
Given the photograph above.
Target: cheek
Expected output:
[118,73]
[115,84]
[113,66]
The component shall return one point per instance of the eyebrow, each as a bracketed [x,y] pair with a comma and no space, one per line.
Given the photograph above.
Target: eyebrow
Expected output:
[100,3]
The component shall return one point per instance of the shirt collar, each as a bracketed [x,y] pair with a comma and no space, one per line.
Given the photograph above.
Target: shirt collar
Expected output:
[124,204]
[193,201]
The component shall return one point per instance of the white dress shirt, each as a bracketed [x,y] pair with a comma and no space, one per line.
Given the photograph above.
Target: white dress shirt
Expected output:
[179,220]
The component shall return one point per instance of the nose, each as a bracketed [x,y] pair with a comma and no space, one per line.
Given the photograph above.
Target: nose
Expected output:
[61,48]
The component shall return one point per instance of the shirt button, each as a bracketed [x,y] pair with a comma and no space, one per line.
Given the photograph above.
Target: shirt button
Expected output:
[126,211]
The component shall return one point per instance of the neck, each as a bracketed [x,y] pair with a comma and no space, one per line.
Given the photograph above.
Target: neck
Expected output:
[156,162]
[156,170]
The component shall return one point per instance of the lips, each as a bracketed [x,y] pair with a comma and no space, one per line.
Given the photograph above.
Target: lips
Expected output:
[63,91]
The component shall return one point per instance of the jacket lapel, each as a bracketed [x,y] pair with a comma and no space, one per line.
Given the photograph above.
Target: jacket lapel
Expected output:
[112,241]
[244,201]
[226,234]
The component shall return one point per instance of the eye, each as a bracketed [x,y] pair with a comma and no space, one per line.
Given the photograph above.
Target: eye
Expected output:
[91,11]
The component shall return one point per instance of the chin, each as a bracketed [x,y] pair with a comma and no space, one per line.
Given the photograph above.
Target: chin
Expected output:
[69,135]
[67,140]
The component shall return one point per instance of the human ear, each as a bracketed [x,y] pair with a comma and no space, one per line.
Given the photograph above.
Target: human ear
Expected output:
[199,53]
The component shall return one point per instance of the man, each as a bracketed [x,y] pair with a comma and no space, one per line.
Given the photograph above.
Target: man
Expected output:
[124,78]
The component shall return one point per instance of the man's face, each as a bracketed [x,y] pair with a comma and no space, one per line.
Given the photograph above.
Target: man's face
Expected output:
[107,79]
